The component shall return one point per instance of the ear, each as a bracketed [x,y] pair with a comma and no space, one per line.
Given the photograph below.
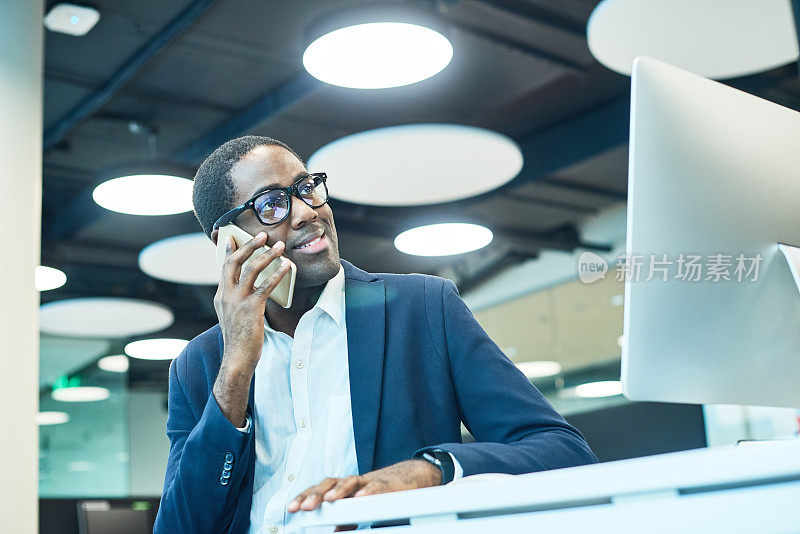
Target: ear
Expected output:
[215,235]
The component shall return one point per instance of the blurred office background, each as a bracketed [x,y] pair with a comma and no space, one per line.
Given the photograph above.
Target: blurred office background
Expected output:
[155,86]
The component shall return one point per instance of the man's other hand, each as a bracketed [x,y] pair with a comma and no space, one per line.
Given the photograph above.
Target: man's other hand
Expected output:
[411,474]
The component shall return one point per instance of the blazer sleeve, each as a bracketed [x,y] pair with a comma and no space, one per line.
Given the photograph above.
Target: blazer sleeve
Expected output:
[208,460]
[515,428]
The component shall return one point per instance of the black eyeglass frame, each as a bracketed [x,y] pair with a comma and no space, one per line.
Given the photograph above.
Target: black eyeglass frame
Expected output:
[290,191]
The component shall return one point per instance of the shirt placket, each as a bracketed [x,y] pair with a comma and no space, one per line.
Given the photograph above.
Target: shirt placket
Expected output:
[298,381]
[274,511]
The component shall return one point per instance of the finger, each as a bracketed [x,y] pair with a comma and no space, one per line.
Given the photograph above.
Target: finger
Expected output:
[372,488]
[250,271]
[314,499]
[236,256]
[325,485]
[268,286]
[345,488]
[295,504]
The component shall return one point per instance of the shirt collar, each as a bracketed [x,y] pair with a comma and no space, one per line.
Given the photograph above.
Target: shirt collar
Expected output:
[331,300]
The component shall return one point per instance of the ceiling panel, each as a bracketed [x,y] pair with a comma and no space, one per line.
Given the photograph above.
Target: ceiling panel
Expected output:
[546,191]
[221,78]
[607,170]
[64,96]
[120,32]
[517,214]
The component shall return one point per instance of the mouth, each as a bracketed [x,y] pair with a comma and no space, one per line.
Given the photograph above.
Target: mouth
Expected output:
[313,244]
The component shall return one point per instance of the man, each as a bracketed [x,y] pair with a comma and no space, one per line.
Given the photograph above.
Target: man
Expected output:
[358,388]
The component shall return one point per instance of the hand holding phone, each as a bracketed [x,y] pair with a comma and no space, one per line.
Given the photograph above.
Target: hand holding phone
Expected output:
[284,292]
[240,305]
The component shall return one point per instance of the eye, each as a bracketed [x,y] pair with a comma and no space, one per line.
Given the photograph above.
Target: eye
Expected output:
[306,188]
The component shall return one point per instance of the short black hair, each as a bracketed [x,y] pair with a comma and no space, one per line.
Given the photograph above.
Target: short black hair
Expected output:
[213,190]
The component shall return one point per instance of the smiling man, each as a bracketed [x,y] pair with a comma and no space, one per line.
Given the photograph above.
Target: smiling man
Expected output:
[358,388]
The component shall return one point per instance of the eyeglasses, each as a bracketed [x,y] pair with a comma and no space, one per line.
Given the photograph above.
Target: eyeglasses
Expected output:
[274,205]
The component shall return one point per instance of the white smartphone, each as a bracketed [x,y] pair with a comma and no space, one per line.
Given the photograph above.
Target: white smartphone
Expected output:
[285,291]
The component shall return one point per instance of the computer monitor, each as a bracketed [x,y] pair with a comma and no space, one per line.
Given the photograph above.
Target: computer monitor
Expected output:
[103,517]
[714,173]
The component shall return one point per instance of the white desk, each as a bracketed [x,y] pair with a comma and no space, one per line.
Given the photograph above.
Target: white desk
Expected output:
[754,489]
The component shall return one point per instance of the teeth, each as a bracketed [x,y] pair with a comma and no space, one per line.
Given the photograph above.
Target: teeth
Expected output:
[314,242]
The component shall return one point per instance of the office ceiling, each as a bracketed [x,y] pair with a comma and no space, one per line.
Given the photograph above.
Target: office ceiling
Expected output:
[158,84]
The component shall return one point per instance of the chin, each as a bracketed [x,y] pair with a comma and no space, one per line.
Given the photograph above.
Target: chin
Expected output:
[317,272]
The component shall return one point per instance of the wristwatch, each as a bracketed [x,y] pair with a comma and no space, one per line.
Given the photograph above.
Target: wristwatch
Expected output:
[442,460]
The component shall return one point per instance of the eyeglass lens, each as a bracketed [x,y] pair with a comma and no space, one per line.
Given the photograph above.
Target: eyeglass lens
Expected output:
[273,206]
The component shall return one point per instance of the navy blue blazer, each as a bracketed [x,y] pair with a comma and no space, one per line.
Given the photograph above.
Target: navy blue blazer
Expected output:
[419,364]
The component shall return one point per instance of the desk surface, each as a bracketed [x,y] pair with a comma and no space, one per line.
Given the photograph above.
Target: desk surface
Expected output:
[688,472]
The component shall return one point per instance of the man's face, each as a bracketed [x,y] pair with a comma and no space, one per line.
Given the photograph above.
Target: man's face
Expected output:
[273,166]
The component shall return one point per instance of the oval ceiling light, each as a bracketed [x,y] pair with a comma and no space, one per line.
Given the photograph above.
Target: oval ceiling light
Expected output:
[156,349]
[47,278]
[52,418]
[377,55]
[145,194]
[117,363]
[80,394]
[445,239]
[713,38]
[605,388]
[539,369]
[417,164]
[103,317]
[185,259]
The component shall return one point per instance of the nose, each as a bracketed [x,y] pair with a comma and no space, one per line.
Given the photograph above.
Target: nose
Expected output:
[302,214]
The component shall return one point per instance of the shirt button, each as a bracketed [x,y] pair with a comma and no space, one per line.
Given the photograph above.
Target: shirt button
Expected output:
[291,477]
[302,423]
[273,529]
[299,364]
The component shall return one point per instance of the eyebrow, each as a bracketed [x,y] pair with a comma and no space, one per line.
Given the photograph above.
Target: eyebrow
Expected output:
[260,190]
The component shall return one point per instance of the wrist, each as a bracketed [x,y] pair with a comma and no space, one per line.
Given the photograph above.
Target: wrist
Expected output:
[441,461]
[237,367]
[432,475]
[231,391]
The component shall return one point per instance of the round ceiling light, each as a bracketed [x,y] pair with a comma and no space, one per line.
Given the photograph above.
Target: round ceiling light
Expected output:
[103,317]
[114,364]
[713,38]
[377,55]
[539,369]
[47,278]
[80,394]
[52,418]
[156,349]
[417,164]
[185,259]
[145,194]
[605,388]
[444,239]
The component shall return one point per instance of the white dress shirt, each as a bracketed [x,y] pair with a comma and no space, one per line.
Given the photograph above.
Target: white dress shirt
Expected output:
[302,414]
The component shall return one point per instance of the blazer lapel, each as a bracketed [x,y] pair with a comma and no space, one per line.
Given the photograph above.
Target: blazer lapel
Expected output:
[365,318]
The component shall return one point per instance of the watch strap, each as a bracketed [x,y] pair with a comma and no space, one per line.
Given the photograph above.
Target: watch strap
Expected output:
[441,459]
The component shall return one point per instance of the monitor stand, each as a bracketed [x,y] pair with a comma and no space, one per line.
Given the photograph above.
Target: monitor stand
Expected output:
[792,255]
